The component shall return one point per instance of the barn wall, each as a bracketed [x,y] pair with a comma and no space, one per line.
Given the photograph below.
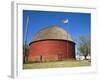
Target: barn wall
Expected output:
[51,50]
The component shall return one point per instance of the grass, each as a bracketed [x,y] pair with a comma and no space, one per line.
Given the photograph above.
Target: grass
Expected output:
[67,63]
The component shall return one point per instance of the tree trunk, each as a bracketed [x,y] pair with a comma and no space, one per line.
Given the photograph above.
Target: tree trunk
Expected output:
[85,57]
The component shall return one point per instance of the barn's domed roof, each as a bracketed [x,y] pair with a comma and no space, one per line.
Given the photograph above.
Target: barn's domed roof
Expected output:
[53,32]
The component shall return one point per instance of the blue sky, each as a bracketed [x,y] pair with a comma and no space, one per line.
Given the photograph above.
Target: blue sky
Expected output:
[78,23]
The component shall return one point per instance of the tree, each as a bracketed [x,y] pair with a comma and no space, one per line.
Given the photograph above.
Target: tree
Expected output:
[85,46]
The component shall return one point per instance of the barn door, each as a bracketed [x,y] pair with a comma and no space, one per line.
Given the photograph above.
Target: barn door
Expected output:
[60,57]
[40,58]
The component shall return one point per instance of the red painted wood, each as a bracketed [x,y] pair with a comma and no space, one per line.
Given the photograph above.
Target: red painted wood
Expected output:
[51,50]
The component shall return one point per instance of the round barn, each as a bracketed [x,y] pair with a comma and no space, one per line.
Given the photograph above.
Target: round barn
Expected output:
[51,44]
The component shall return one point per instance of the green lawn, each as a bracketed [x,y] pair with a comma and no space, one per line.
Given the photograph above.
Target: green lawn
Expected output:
[67,63]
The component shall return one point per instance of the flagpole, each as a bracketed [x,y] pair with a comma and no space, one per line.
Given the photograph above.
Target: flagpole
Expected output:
[26,33]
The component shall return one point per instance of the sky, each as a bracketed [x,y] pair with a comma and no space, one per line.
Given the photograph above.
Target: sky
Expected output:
[78,23]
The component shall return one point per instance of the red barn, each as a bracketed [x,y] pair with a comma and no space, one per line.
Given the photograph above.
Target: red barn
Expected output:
[51,44]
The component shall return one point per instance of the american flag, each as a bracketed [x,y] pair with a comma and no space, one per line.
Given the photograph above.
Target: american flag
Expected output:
[65,21]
